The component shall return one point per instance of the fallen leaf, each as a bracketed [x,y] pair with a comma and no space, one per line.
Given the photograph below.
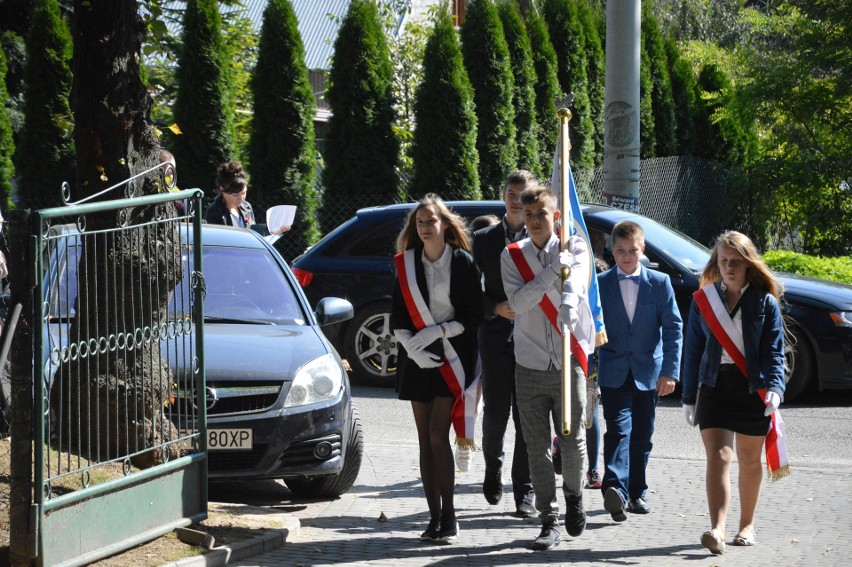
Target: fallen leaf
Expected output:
[382,517]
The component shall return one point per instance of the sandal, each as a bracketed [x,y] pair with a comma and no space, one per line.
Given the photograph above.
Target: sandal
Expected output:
[714,542]
[743,540]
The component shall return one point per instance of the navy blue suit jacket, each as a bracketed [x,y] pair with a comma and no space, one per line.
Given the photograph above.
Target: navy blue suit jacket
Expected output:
[650,346]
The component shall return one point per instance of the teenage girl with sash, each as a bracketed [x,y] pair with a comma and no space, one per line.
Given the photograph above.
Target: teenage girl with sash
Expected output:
[437,306]
[733,380]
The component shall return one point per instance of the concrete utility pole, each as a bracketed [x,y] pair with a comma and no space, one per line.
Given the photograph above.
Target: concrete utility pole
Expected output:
[621,105]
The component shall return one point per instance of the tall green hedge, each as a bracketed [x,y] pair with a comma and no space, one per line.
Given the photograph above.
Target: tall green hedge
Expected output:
[686,98]
[281,147]
[723,136]
[523,95]
[647,135]
[45,156]
[546,87]
[7,145]
[662,101]
[203,109]
[590,22]
[361,149]
[486,59]
[444,147]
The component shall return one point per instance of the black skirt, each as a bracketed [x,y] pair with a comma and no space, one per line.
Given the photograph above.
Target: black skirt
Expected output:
[729,405]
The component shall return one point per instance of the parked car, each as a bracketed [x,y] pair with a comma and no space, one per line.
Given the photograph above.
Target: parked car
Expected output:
[279,402]
[355,261]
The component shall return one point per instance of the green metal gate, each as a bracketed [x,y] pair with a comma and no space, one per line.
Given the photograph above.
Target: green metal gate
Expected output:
[120,448]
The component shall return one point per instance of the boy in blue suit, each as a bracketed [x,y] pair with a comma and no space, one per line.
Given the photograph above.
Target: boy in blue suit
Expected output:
[640,362]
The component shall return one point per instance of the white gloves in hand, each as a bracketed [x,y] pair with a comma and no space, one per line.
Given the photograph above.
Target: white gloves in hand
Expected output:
[424,338]
[772,400]
[425,359]
[568,316]
[565,259]
[689,414]
[452,329]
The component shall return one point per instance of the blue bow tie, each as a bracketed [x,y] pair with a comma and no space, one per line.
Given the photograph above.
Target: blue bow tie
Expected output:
[634,279]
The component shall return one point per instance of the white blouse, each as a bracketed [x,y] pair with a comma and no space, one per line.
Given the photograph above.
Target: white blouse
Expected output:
[438,284]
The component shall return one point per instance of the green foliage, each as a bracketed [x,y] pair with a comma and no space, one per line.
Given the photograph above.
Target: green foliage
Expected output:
[686,97]
[444,148]
[568,38]
[15,50]
[523,95]
[407,57]
[838,269]
[726,136]
[282,134]
[596,64]
[45,155]
[203,108]
[662,101]
[546,87]
[647,136]
[486,59]
[361,148]
[241,46]
[7,145]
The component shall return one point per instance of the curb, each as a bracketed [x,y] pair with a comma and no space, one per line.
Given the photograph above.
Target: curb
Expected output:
[224,554]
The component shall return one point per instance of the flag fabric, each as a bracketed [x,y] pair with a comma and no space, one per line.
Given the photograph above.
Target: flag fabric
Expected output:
[572,217]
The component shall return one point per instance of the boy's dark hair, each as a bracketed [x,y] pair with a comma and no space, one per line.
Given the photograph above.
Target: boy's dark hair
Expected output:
[232,178]
[627,230]
[519,177]
[539,194]
[482,221]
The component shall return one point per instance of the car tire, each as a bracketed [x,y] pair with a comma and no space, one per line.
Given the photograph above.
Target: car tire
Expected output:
[370,347]
[800,358]
[336,485]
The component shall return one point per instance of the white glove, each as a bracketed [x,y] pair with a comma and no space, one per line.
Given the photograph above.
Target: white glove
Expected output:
[568,316]
[424,338]
[425,359]
[452,329]
[566,259]
[772,401]
[689,414]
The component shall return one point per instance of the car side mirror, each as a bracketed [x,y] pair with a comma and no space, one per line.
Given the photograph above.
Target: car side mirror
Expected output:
[333,310]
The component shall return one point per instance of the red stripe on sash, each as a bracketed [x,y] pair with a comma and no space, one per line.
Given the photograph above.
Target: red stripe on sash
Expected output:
[547,306]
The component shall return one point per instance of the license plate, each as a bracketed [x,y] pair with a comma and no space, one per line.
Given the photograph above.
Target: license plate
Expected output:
[229,439]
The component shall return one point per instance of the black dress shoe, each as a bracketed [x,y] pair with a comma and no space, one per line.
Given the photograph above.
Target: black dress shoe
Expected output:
[638,506]
[492,488]
[548,537]
[614,504]
[525,510]
[449,529]
[575,516]
[432,532]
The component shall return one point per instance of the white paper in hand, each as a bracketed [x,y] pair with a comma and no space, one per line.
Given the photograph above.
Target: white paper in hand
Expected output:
[280,216]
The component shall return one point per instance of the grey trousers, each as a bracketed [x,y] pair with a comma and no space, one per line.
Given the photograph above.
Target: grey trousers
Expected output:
[539,394]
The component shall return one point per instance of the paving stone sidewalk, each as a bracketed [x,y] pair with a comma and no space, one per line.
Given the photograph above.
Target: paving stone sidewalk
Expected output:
[802,520]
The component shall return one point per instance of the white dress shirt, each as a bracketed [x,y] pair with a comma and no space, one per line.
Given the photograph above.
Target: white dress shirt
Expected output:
[629,291]
[438,284]
[738,323]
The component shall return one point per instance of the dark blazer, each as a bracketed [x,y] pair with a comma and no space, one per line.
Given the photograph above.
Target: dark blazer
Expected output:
[218,213]
[650,346]
[466,298]
[488,244]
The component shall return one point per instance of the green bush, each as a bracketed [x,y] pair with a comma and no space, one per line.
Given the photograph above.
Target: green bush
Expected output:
[838,269]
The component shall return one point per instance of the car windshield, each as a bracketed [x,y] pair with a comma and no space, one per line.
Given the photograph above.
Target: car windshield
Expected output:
[243,286]
[676,245]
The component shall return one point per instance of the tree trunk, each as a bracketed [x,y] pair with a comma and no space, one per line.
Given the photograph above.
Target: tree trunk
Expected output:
[130,274]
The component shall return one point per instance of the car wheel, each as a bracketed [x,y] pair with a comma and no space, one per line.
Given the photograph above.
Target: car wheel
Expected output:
[336,485]
[370,346]
[800,359]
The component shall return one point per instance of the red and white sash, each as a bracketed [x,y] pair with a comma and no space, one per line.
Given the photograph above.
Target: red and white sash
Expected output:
[463,413]
[518,255]
[731,338]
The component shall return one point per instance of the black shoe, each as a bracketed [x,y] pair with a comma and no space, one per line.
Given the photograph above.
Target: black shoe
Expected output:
[548,537]
[638,506]
[449,530]
[575,515]
[614,504]
[524,510]
[492,488]
[432,532]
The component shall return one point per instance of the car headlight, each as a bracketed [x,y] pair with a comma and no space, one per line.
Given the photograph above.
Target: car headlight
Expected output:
[841,318]
[318,380]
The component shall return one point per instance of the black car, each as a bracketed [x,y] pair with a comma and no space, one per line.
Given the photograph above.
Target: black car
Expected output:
[355,261]
[279,402]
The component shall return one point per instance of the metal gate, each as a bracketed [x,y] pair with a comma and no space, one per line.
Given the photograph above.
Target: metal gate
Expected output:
[119,449]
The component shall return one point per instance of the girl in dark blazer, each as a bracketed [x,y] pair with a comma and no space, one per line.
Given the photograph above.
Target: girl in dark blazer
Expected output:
[437,282]
[230,206]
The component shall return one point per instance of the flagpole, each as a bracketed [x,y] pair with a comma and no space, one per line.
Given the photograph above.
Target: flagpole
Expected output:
[564,115]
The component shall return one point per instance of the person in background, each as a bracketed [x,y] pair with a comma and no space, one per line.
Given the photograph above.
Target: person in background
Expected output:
[497,352]
[543,304]
[639,363]
[230,206]
[435,312]
[734,366]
